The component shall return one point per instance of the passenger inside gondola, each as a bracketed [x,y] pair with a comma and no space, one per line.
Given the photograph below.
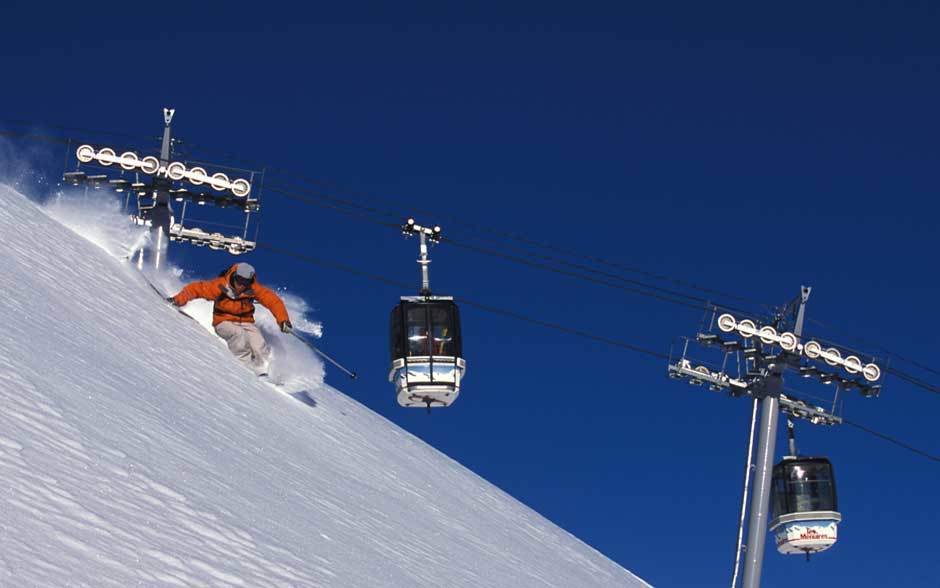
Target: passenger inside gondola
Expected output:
[443,341]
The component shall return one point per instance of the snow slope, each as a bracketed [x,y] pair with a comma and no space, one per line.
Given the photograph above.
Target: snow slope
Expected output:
[135,451]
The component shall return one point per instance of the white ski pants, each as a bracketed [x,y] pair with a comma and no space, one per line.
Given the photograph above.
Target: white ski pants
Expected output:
[246,343]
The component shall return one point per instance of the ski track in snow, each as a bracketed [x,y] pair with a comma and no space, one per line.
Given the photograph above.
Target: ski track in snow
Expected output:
[135,451]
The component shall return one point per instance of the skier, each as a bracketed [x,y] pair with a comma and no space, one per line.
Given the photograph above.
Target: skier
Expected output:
[234,293]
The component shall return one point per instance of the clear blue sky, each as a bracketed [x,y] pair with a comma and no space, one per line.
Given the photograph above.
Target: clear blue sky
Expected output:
[742,148]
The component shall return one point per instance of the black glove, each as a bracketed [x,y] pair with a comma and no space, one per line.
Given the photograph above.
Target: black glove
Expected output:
[286,327]
[172,300]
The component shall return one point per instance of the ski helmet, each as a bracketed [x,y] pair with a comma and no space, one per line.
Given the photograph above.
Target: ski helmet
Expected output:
[244,275]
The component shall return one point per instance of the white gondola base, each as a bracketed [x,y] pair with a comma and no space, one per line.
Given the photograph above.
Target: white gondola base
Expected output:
[798,537]
[423,384]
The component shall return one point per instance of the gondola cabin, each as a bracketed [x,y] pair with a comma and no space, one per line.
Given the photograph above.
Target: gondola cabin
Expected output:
[805,509]
[427,366]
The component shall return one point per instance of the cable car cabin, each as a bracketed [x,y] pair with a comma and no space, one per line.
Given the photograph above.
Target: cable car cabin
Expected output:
[427,366]
[805,510]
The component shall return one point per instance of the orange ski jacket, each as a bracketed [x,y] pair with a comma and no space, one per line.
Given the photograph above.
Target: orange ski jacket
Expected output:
[229,306]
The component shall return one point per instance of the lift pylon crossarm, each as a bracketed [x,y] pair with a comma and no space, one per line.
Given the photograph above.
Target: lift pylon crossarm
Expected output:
[216,241]
[81,178]
[74,178]
[814,414]
[714,339]
[864,387]
[791,343]
[222,201]
[176,170]
[703,375]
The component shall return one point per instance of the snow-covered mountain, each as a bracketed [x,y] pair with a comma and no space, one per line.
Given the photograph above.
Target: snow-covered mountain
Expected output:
[135,451]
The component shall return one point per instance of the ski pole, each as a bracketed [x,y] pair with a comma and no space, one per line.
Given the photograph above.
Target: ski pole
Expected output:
[323,355]
[164,297]
[154,288]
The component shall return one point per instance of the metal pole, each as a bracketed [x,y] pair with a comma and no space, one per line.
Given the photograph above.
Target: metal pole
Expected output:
[156,263]
[167,141]
[791,437]
[804,297]
[748,466]
[162,212]
[424,262]
[760,501]
[349,373]
[757,526]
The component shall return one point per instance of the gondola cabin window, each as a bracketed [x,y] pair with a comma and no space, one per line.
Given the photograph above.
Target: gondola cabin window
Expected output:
[811,488]
[417,323]
[442,324]
[804,485]
[425,329]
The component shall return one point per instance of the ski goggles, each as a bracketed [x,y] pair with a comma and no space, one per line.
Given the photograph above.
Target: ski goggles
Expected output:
[241,281]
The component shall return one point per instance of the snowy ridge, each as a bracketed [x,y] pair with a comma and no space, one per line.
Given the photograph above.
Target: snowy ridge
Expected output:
[135,451]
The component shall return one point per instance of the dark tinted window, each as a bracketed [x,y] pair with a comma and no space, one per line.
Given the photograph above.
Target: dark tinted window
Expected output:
[442,331]
[809,486]
[778,493]
[397,337]
[416,323]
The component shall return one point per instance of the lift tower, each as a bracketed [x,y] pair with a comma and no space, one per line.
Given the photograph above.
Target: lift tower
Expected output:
[749,357]
[160,180]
